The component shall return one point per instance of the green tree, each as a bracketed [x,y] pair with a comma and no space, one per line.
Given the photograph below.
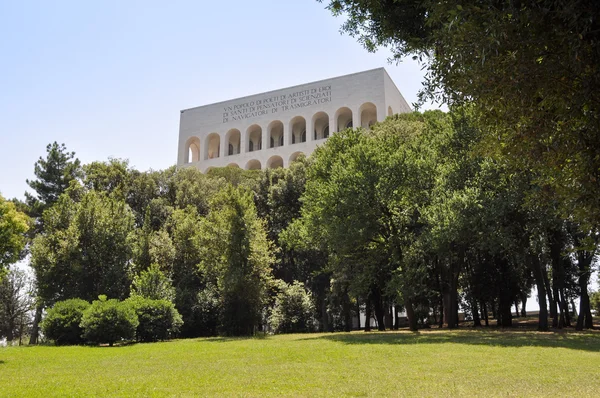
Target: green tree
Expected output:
[153,284]
[293,311]
[363,196]
[54,174]
[236,257]
[84,251]
[16,304]
[188,280]
[530,68]
[13,226]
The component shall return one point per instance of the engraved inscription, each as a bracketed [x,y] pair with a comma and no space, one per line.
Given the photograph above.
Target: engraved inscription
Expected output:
[277,103]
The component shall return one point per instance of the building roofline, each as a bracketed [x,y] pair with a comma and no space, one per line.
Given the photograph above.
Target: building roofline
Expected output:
[290,87]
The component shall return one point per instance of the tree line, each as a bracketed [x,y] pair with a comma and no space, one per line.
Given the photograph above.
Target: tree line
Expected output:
[409,223]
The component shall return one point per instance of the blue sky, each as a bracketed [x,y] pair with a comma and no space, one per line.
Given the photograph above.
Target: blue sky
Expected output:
[108,78]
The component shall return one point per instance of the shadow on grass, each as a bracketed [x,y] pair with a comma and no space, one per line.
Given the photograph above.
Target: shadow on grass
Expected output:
[226,339]
[585,341]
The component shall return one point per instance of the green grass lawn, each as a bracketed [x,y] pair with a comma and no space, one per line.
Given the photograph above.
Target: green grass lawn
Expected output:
[429,363]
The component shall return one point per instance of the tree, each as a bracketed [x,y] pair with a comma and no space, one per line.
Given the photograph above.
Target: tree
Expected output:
[13,226]
[236,259]
[362,199]
[16,304]
[153,284]
[188,280]
[54,174]
[293,311]
[531,69]
[84,251]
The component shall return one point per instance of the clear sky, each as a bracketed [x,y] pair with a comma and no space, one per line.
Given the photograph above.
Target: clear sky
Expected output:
[108,78]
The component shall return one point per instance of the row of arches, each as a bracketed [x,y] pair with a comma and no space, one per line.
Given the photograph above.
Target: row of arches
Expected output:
[273,162]
[276,133]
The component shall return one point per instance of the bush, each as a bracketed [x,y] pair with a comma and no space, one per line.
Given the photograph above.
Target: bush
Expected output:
[109,321]
[293,311]
[62,322]
[158,319]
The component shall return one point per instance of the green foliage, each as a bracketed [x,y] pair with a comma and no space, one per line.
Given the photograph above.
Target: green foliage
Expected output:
[54,175]
[236,258]
[109,321]
[293,311]
[187,278]
[529,69]
[158,319]
[13,226]
[62,322]
[153,284]
[84,251]
[16,304]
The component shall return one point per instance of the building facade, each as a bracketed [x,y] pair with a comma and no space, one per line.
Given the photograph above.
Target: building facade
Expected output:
[272,129]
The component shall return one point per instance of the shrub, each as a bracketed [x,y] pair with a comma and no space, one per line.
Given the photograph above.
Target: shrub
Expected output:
[158,319]
[293,311]
[109,321]
[62,322]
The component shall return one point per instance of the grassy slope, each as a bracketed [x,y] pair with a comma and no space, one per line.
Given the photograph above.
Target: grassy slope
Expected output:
[440,363]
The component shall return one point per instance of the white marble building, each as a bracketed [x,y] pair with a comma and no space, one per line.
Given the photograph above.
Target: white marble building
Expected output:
[272,129]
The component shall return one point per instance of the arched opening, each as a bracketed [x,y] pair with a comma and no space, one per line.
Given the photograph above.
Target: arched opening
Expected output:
[368,115]
[254,134]
[390,112]
[192,150]
[297,130]
[295,156]
[343,118]
[212,146]
[275,132]
[321,125]
[274,162]
[253,165]
[233,165]
[233,139]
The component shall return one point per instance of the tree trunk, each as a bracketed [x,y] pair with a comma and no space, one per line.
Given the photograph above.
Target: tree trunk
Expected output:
[485,313]
[551,301]
[347,312]
[324,317]
[35,329]
[442,312]
[584,319]
[516,308]
[410,313]
[565,308]
[451,296]
[358,313]
[379,309]
[524,305]
[368,316]
[396,317]
[389,320]
[538,275]
[475,311]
